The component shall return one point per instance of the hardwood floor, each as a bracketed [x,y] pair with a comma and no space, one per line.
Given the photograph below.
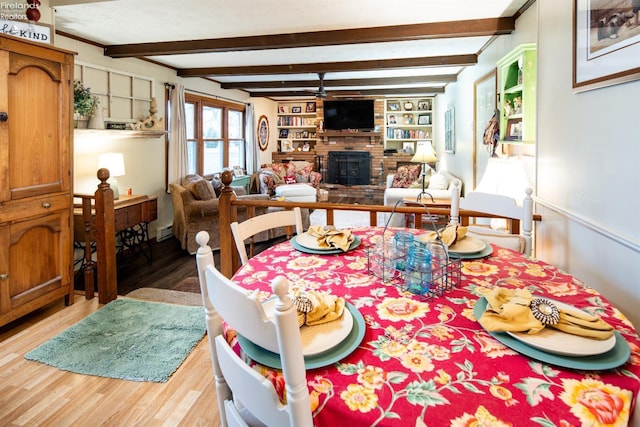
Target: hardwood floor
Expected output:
[34,394]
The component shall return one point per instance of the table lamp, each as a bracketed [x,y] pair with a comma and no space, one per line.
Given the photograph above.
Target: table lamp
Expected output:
[424,154]
[115,163]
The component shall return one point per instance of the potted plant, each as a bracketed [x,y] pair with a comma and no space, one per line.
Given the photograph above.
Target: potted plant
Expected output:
[83,104]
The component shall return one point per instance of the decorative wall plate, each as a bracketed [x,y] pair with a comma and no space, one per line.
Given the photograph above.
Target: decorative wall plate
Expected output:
[263,132]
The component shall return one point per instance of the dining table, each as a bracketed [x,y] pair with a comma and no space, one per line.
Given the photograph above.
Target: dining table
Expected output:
[416,360]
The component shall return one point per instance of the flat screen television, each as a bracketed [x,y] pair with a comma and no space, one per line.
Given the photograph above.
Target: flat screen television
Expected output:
[349,114]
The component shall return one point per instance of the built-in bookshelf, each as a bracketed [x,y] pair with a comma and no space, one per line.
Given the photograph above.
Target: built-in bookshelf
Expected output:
[407,120]
[297,126]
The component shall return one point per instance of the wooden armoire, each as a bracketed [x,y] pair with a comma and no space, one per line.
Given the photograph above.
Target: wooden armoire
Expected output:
[36,158]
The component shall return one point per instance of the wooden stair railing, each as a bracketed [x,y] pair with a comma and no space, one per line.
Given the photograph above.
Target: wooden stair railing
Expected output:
[98,219]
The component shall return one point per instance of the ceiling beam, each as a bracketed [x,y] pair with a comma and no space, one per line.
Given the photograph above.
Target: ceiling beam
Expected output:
[418,91]
[327,67]
[433,30]
[441,78]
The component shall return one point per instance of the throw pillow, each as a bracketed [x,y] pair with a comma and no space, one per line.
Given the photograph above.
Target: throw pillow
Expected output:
[405,175]
[437,182]
[290,179]
[201,189]
[418,183]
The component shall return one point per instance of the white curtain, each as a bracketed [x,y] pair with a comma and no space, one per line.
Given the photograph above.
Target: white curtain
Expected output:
[177,135]
[252,146]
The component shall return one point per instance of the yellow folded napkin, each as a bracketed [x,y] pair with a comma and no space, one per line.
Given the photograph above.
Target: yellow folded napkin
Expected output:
[511,310]
[316,308]
[449,235]
[330,237]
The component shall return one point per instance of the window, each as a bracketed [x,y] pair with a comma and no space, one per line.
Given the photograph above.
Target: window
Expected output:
[215,135]
[124,97]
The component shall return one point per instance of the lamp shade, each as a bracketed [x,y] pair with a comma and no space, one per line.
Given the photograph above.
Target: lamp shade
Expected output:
[506,177]
[112,161]
[424,153]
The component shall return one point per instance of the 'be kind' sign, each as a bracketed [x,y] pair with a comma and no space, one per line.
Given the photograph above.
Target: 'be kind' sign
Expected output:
[25,30]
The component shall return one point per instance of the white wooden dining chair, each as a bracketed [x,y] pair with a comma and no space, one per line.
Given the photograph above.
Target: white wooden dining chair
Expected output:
[249,228]
[246,398]
[519,218]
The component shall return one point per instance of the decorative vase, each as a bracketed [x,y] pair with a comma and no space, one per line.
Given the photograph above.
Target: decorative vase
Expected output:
[96,121]
[81,123]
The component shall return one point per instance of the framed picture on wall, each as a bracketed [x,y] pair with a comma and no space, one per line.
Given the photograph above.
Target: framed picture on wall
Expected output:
[449,131]
[606,44]
[263,132]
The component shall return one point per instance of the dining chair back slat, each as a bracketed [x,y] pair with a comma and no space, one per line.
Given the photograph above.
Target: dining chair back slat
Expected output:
[242,386]
[520,218]
[249,228]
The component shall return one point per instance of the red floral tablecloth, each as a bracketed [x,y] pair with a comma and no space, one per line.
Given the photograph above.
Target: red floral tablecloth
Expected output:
[429,362]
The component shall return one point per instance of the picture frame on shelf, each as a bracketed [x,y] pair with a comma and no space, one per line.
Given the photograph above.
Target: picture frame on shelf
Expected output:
[237,171]
[605,50]
[392,120]
[424,119]
[263,133]
[283,109]
[408,105]
[393,106]
[296,109]
[284,133]
[311,107]
[407,147]
[514,130]
[286,146]
[306,147]
[424,105]
[408,119]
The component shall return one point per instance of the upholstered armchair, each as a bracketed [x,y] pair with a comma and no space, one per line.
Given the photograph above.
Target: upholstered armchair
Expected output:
[195,208]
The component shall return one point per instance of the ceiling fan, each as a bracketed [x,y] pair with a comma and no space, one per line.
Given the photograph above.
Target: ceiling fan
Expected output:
[321,93]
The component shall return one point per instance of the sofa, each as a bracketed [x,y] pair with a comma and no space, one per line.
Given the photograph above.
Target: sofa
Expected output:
[195,207]
[272,175]
[406,183]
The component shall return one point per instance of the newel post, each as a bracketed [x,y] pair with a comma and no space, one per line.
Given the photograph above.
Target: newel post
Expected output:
[227,214]
[106,240]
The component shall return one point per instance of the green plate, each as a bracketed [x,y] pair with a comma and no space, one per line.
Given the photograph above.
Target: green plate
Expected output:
[329,357]
[294,242]
[488,250]
[613,358]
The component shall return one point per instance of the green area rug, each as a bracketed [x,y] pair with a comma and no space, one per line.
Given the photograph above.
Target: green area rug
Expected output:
[127,339]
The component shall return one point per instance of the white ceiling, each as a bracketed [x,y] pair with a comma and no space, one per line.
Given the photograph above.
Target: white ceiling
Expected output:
[130,22]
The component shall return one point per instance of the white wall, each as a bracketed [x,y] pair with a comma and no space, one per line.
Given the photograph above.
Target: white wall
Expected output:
[588,157]
[588,170]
